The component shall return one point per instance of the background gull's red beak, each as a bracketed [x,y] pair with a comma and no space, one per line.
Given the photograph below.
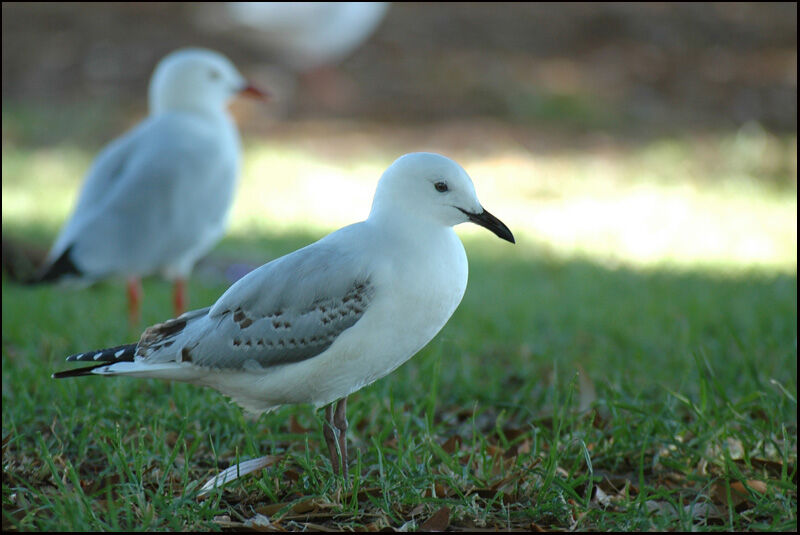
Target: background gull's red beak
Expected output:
[252,91]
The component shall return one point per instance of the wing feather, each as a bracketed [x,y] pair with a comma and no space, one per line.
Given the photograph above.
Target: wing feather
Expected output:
[150,197]
[288,310]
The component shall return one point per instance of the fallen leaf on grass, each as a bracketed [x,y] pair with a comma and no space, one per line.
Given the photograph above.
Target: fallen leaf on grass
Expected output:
[417,510]
[705,511]
[363,494]
[295,427]
[438,491]
[438,522]
[602,498]
[299,508]
[739,492]
[518,449]
[698,511]
[258,521]
[490,494]
[773,469]
[452,444]
[618,483]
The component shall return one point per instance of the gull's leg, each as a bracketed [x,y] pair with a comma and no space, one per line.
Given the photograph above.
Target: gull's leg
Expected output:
[330,432]
[179,297]
[340,421]
[134,300]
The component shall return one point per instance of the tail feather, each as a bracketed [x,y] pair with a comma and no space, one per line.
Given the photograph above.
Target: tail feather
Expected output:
[112,354]
[77,372]
[105,357]
[62,267]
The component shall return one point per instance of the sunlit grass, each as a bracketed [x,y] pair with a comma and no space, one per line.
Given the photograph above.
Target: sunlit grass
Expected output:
[640,340]
[722,201]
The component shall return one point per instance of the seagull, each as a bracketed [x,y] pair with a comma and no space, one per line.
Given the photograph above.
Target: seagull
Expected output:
[303,42]
[157,198]
[301,35]
[326,320]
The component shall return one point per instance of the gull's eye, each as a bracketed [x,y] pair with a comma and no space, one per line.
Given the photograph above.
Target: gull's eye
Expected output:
[215,75]
[441,187]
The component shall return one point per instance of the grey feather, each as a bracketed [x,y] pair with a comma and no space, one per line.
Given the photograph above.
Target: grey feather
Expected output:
[288,310]
[157,194]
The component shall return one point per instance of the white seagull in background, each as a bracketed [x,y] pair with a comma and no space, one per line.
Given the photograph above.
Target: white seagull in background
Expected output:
[328,319]
[302,41]
[300,35]
[157,199]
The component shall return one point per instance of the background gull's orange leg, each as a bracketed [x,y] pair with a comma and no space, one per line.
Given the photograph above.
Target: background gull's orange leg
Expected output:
[179,298]
[134,300]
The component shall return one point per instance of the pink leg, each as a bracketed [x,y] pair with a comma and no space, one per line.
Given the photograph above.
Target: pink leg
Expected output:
[340,421]
[335,430]
[134,300]
[330,433]
[180,299]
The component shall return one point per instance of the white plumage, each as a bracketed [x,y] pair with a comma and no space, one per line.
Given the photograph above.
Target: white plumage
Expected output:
[326,320]
[300,35]
[157,198]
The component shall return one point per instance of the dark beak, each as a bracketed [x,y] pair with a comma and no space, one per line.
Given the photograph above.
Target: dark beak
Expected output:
[254,92]
[487,220]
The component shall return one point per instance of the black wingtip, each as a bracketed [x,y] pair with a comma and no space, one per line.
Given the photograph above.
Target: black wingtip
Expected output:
[62,267]
[103,357]
[123,353]
[77,372]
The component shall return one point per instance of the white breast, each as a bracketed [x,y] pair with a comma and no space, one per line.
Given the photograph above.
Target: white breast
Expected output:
[413,301]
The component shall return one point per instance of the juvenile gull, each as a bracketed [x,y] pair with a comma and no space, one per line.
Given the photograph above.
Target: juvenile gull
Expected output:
[320,323]
[157,198]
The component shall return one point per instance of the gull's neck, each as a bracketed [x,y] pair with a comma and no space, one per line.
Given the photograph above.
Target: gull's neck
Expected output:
[405,226]
[164,105]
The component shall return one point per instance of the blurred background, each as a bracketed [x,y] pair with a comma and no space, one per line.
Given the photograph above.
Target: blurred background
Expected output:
[641,134]
[644,155]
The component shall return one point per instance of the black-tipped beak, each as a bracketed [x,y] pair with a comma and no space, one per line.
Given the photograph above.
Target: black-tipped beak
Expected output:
[487,220]
[252,91]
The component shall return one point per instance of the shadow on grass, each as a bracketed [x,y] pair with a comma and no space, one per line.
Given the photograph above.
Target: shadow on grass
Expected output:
[507,362]
[524,314]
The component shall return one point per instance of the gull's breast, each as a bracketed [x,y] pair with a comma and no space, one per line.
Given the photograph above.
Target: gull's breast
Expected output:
[414,299]
[415,295]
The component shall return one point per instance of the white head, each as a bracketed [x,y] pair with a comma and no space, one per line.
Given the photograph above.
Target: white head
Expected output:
[195,79]
[428,186]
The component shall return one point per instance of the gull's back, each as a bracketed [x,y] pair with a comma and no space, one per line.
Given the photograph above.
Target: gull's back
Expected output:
[158,198]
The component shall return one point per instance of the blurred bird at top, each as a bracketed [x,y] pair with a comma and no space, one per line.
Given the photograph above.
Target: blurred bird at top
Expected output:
[308,38]
[157,198]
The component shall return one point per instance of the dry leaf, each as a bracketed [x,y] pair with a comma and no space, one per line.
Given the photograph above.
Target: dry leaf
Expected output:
[438,522]
[494,451]
[522,448]
[512,433]
[295,427]
[258,521]
[602,498]
[417,510]
[739,494]
[452,444]
[301,507]
[438,491]
[705,510]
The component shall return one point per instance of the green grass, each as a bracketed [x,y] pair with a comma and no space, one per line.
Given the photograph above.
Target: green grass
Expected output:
[553,379]
[586,381]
